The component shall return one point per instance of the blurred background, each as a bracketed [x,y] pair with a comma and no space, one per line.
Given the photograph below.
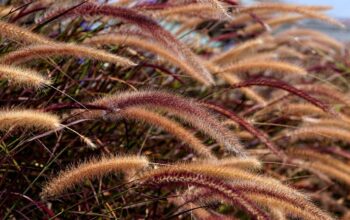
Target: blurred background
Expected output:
[341,11]
[340,7]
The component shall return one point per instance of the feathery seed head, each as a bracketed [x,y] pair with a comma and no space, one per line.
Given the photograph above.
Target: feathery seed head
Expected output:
[95,168]
[16,33]
[186,109]
[62,49]
[28,119]
[23,77]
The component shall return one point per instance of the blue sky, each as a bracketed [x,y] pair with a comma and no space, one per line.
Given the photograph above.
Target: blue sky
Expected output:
[341,7]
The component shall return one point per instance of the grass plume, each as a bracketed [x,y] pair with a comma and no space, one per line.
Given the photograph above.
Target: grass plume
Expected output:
[144,23]
[29,53]
[319,132]
[236,52]
[313,155]
[263,65]
[285,86]
[170,126]
[164,177]
[28,119]
[273,22]
[300,9]
[20,34]
[95,168]
[248,163]
[150,45]
[314,35]
[287,196]
[23,77]
[184,10]
[263,137]
[188,110]
[233,79]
